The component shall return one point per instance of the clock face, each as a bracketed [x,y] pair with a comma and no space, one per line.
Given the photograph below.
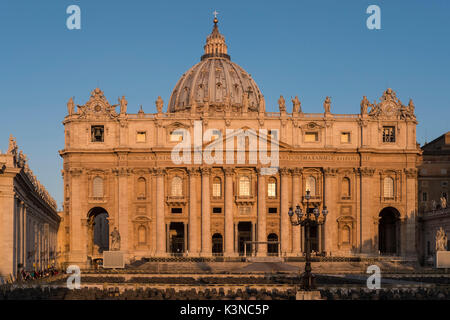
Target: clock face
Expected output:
[97,108]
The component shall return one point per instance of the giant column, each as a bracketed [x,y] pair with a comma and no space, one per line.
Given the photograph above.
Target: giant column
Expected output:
[296,200]
[284,219]
[261,220]
[193,213]
[206,214]
[123,209]
[330,200]
[160,217]
[229,232]
[366,221]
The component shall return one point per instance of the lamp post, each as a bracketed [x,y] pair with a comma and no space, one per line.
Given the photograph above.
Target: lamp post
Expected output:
[307,220]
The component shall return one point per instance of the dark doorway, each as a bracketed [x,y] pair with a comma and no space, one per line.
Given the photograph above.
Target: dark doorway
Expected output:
[98,229]
[388,233]
[176,238]
[313,234]
[217,244]
[272,248]
[245,234]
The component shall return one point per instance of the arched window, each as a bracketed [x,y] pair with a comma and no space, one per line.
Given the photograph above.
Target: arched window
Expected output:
[142,235]
[311,185]
[177,187]
[244,187]
[272,188]
[141,188]
[217,187]
[97,187]
[346,235]
[345,188]
[388,187]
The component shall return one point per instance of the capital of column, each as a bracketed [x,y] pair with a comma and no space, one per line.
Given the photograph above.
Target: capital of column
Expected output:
[228,171]
[297,171]
[193,171]
[330,172]
[411,173]
[285,171]
[75,172]
[205,171]
[366,171]
[160,171]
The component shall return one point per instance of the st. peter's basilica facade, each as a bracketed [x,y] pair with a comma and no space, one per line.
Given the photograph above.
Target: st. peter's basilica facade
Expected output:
[120,174]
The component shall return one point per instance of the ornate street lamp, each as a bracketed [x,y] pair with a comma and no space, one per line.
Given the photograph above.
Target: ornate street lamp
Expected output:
[307,220]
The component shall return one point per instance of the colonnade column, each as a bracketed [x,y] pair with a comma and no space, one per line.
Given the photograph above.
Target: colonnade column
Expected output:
[160,216]
[284,219]
[193,213]
[229,232]
[261,219]
[206,214]
[296,200]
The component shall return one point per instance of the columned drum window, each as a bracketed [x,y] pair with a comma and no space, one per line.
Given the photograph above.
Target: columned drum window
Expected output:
[244,187]
[97,187]
[217,188]
[388,187]
[177,187]
[311,185]
[272,188]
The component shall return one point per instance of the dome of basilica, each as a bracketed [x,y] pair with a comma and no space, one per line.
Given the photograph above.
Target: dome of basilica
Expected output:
[216,82]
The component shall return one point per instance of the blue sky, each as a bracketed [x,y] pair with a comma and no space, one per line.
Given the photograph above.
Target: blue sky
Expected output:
[140,48]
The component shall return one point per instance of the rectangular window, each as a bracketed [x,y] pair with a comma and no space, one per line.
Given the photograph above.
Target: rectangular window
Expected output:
[273,210]
[345,137]
[272,190]
[141,136]
[389,134]
[311,136]
[97,133]
[216,134]
[217,210]
[424,196]
[177,210]
[444,184]
[444,171]
[273,134]
[176,136]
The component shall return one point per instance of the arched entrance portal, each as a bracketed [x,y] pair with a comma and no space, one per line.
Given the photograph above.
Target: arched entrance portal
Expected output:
[98,231]
[388,231]
[217,244]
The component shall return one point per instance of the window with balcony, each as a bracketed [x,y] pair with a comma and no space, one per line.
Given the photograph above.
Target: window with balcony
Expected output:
[272,188]
[217,188]
[244,187]
[311,185]
[177,187]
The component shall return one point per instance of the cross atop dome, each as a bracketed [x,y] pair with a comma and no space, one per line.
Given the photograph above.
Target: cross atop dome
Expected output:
[215,42]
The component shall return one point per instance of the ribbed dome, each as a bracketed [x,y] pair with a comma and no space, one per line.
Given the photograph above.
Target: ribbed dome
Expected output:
[215,81]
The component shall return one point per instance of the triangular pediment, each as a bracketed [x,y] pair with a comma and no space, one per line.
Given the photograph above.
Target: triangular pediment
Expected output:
[247,133]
